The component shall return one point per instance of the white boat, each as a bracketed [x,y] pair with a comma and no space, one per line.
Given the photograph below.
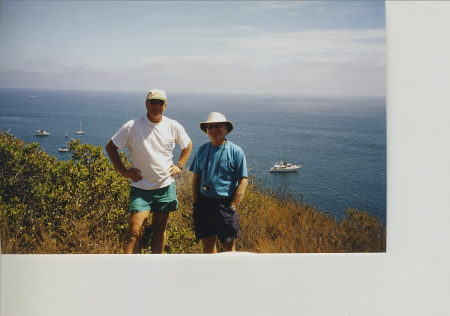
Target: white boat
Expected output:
[65,148]
[284,167]
[80,131]
[41,132]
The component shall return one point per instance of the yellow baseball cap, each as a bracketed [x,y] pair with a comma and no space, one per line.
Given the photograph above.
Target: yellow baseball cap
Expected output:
[156,94]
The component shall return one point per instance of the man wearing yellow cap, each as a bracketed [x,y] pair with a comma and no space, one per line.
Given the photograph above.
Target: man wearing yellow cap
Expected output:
[150,140]
[218,185]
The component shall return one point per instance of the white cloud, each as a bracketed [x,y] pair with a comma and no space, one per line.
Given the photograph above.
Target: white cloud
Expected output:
[243,57]
[275,5]
[244,28]
[185,75]
[312,62]
[268,48]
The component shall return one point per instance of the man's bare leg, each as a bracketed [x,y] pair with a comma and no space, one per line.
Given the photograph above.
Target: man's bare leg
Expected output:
[137,224]
[159,222]
[209,244]
[229,246]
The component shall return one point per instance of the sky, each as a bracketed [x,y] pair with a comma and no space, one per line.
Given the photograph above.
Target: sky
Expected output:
[276,47]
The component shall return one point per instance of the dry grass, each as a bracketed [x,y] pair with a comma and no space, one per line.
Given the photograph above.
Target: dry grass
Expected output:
[277,222]
[270,223]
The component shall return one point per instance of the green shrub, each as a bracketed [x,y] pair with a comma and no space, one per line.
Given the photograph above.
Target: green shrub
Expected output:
[74,206]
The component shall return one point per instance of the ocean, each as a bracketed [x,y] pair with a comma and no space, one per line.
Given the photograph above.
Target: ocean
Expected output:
[340,141]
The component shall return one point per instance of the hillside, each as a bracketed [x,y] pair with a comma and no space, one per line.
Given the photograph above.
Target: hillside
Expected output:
[79,206]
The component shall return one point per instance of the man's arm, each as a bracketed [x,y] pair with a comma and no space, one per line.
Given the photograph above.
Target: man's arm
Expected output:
[240,191]
[184,156]
[134,174]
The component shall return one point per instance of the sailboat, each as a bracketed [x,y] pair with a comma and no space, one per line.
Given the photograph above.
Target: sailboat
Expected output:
[65,148]
[80,131]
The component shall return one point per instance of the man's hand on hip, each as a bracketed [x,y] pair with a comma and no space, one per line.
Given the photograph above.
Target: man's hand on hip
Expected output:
[134,174]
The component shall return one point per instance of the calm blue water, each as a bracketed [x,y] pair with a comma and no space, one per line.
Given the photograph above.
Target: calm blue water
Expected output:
[340,141]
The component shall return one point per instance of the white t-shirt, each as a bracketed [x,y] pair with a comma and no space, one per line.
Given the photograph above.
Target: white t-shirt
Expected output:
[151,146]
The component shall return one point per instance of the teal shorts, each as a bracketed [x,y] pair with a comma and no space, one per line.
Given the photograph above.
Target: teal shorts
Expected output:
[158,200]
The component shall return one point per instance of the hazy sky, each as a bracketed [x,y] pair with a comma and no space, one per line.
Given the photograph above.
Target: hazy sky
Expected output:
[305,47]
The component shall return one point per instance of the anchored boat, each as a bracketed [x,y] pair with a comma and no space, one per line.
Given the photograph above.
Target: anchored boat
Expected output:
[65,148]
[41,132]
[284,167]
[80,131]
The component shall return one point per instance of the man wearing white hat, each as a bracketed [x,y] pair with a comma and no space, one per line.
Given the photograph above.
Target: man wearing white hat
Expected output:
[218,185]
[151,140]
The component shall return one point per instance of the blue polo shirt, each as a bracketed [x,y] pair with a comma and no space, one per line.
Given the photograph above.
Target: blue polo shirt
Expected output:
[219,168]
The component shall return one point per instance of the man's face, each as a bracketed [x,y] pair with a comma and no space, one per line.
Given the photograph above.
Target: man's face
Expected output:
[155,109]
[217,131]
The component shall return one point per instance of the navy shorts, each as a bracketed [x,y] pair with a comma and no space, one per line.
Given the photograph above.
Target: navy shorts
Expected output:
[214,217]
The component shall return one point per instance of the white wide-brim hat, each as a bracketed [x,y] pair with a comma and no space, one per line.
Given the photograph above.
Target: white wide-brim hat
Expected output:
[156,94]
[216,117]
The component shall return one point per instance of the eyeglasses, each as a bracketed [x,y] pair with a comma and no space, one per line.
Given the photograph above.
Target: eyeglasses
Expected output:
[156,102]
[212,125]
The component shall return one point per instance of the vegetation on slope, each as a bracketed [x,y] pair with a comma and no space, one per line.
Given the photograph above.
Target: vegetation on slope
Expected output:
[80,206]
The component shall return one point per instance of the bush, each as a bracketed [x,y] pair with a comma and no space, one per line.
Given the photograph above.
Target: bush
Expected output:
[51,206]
